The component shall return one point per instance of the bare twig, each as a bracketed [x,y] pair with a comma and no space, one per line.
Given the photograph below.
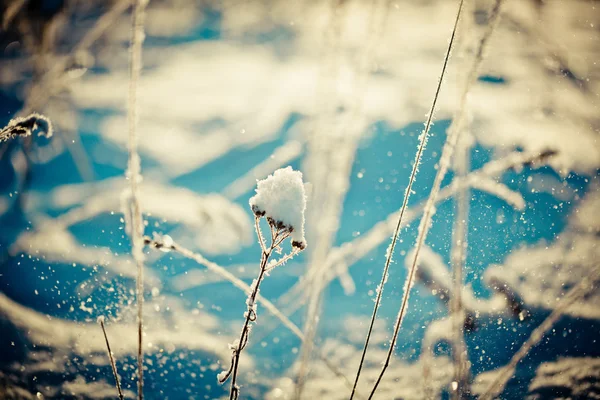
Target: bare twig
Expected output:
[111,358]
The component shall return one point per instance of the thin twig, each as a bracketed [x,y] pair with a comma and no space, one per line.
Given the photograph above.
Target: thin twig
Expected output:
[225,274]
[112,360]
[281,261]
[585,286]
[134,175]
[410,277]
[422,143]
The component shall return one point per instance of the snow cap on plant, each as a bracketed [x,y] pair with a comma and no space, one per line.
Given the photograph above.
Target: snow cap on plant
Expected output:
[281,198]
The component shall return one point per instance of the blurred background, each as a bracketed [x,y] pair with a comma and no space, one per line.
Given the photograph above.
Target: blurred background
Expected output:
[232,90]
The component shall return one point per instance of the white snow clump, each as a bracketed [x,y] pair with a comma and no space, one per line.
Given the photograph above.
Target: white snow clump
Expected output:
[281,198]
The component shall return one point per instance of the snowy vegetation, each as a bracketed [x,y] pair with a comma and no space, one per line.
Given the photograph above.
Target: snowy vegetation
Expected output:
[426,175]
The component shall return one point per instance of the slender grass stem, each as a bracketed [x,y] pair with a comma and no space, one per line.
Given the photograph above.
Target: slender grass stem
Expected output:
[134,175]
[422,144]
[113,365]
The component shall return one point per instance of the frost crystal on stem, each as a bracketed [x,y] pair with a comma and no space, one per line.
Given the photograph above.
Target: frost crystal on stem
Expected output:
[280,198]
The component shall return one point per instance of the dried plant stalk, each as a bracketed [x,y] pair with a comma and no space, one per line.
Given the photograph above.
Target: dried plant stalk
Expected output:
[113,365]
[279,233]
[422,144]
[136,227]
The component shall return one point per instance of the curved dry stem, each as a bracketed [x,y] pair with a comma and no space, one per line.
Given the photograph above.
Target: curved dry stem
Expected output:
[25,126]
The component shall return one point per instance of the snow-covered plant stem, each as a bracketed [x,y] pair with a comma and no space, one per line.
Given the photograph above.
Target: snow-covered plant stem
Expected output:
[113,365]
[281,199]
[279,233]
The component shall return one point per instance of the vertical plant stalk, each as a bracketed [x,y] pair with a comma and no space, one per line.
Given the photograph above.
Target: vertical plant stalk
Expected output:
[583,288]
[278,235]
[458,258]
[134,175]
[422,144]
[327,202]
[112,360]
[447,152]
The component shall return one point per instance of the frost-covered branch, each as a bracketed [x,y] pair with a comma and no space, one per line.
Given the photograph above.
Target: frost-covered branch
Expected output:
[452,138]
[166,243]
